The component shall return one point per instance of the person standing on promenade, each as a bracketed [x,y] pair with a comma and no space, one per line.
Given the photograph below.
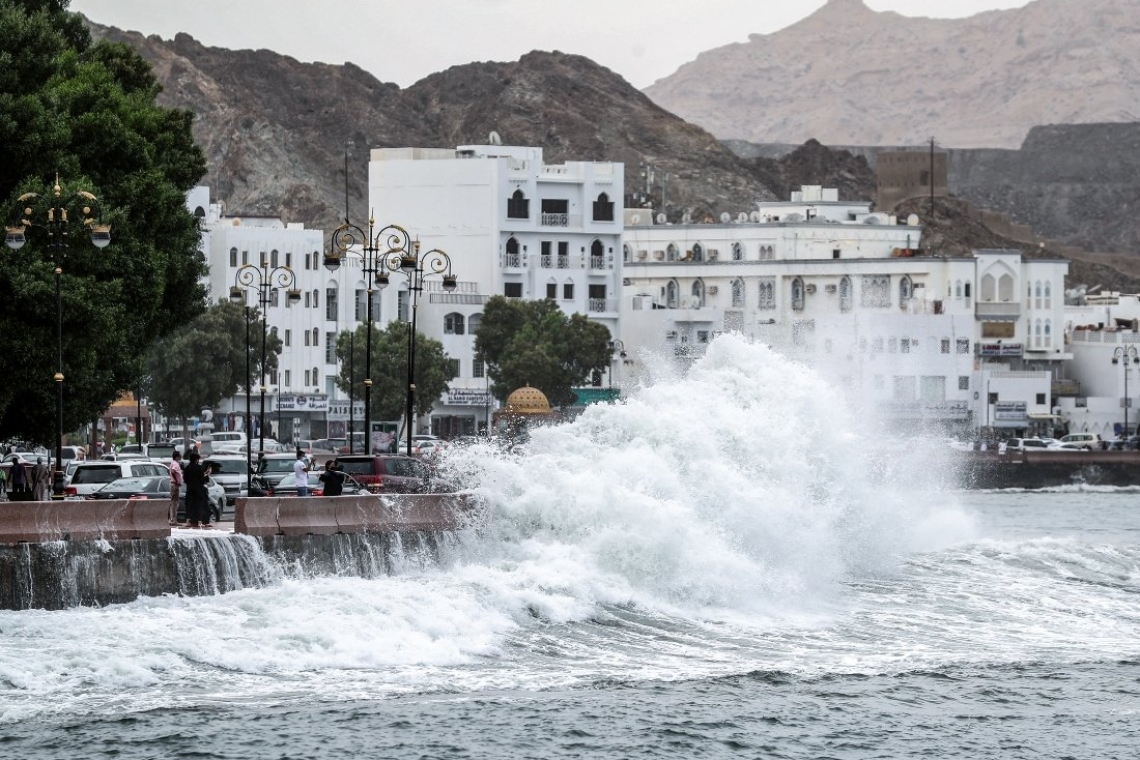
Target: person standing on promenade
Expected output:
[197,497]
[175,484]
[39,480]
[301,474]
[333,479]
[19,478]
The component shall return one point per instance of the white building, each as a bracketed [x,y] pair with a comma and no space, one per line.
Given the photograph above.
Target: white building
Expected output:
[512,225]
[302,400]
[971,342]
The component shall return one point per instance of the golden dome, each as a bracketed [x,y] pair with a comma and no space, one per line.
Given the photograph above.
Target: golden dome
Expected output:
[528,400]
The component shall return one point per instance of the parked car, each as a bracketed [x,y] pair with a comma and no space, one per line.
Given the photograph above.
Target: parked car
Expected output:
[392,473]
[230,472]
[92,475]
[158,487]
[1070,446]
[1125,443]
[274,467]
[1088,441]
[287,486]
[1026,444]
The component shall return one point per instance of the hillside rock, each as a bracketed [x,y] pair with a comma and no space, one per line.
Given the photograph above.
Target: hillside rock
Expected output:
[848,75]
[274,129]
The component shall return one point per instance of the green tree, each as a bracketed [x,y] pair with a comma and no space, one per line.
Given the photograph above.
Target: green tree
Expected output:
[535,343]
[204,361]
[87,113]
[434,369]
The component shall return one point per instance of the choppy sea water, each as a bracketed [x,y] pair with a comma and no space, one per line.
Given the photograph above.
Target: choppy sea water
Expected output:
[678,576]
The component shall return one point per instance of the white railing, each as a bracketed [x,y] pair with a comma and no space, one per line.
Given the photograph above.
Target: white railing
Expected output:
[512,260]
[555,220]
[547,261]
[991,309]
[563,262]
[601,305]
[597,262]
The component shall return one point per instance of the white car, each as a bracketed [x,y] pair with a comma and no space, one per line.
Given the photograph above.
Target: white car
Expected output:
[1084,440]
[90,476]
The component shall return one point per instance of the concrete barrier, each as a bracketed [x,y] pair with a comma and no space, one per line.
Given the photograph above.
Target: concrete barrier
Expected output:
[85,520]
[367,513]
[256,516]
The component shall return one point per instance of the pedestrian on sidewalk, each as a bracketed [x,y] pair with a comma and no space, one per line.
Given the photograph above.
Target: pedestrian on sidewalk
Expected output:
[175,484]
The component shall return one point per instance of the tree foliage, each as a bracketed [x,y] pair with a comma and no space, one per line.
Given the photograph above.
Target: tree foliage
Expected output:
[433,369]
[535,343]
[204,361]
[87,112]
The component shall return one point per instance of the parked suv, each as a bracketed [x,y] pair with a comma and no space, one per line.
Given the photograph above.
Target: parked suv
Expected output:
[390,473]
[275,466]
[1088,441]
[93,475]
[1027,444]
[229,471]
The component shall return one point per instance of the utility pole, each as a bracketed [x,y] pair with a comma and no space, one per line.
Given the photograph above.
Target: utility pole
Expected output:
[932,178]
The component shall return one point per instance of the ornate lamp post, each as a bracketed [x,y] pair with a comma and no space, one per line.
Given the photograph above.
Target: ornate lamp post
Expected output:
[266,281]
[50,213]
[1129,354]
[415,266]
[373,248]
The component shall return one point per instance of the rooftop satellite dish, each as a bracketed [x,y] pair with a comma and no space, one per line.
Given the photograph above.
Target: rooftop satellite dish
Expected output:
[635,219]
[686,218]
[912,220]
[742,217]
[877,218]
[754,216]
[661,219]
[494,138]
[725,218]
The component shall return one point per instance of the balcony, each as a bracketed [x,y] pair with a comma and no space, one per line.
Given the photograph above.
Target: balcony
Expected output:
[554,220]
[597,262]
[547,261]
[563,262]
[1004,311]
[512,260]
[602,305]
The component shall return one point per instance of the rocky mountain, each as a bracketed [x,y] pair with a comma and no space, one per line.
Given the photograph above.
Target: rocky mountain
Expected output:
[274,129]
[848,75]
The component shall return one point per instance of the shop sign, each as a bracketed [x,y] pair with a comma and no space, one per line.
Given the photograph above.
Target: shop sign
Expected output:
[468,397]
[1011,410]
[1000,349]
[303,403]
[339,410]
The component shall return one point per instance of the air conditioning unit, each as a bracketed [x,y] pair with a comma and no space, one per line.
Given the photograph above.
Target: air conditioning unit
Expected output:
[810,288]
[642,255]
[713,290]
[714,254]
[830,288]
[659,255]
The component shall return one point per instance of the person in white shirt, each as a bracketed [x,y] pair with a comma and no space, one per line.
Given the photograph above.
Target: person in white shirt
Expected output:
[301,474]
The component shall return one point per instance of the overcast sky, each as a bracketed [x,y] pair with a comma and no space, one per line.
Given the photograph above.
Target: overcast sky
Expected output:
[403,41]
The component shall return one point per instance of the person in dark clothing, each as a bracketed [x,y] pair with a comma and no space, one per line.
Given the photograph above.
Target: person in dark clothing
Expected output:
[333,479]
[197,498]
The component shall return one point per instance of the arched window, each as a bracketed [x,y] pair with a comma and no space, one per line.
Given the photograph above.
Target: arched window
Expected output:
[671,252]
[767,294]
[698,252]
[316,337]
[512,245]
[316,376]
[1037,335]
[738,252]
[518,207]
[958,289]
[846,297]
[1037,299]
[1048,333]
[626,253]
[1048,297]
[738,293]
[597,254]
[473,323]
[698,291]
[603,209]
[453,323]
[671,294]
[274,256]
[1005,288]
[906,290]
[988,288]
[233,257]
[798,294]
[966,289]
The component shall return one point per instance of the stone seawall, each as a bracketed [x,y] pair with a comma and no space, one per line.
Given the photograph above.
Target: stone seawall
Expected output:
[1033,470]
[44,564]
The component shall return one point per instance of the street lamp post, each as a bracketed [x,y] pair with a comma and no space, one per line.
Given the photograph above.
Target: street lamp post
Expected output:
[50,213]
[415,266]
[373,248]
[1129,354]
[266,280]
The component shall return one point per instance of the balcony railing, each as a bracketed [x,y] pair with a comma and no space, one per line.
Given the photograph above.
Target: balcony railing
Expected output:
[602,305]
[597,262]
[547,261]
[555,220]
[512,260]
[563,262]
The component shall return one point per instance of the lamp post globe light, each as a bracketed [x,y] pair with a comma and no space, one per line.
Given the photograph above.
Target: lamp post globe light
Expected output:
[372,248]
[1126,355]
[415,267]
[50,213]
[266,280]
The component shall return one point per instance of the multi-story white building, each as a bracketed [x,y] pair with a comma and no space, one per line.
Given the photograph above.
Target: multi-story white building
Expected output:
[512,225]
[302,400]
[971,342]
[1104,393]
